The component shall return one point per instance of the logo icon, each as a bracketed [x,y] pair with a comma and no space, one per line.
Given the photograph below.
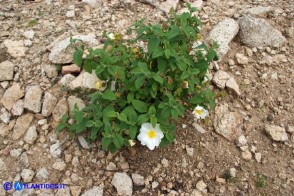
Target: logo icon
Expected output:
[7,186]
[17,186]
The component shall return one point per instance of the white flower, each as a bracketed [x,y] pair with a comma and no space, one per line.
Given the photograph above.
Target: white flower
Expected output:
[200,112]
[111,36]
[150,136]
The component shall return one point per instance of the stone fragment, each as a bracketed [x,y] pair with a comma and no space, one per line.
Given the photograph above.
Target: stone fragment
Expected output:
[123,183]
[165,162]
[70,14]
[232,172]
[201,186]
[42,174]
[198,128]
[5,116]
[247,155]
[60,109]
[29,34]
[3,167]
[27,175]
[63,192]
[220,79]
[32,100]
[138,179]
[72,101]
[83,142]
[257,157]
[11,95]
[96,190]
[223,33]
[68,69]
[61,53]
[6,71]
[257,32]
[27,43]
[231,84]
[241,59]
[18,108]
[21,125]
[241,140]
[66,80]
[59,165]
[24,160]
[276,133]
[31,135]
[16,152]
[93,3]
[190,151]
[50,70]
[56,150]
[76,190]
[164,6]
[154,185]
[15,48]
[226,123]
[258,11]
[49,103]
[85,80]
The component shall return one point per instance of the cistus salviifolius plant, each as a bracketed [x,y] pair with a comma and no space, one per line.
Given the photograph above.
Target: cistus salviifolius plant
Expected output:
[147,88]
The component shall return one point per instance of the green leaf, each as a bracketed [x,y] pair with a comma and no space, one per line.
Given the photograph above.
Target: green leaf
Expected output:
[60,127]
[167,53]
[133,132]
[142,119]
[122,117]
[111,114]
[157,53]
[94,134]
[152,110]
[112,148]
[109,95]
[152,44]
[105,142]
[140,106]
[77,57]
[169,136]
[139,82]
[157,78]
[118,142]
[184,75]
[130,97]
[197,99]
[153,120]
[162,64]
[90,123]
[173,32]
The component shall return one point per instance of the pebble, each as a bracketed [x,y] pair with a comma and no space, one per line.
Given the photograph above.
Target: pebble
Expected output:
[59,165]
[56,150]
[94,191]
[6,71]
[257,157]
[18,108]
[16,152]
[123,183]
[201,186]
[138,179]
[154,185]
[32,99]
[190,151]
[277,133]
[232,172]
[42,174]
[241,140]
[27,175]
[2,165]
[164,162]
[241,59]
[31,135]
[247,155]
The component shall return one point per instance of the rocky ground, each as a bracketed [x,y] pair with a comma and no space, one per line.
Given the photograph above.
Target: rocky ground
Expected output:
[246,148]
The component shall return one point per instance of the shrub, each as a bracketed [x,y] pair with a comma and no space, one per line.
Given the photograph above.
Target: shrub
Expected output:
[155,83]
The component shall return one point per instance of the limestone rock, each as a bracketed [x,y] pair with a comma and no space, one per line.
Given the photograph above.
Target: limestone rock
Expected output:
[15,48]
[276,133]
[258,11]
[21,125]
[138,179]
[56,150]
[164,6]
[96,190]
[18,108]
[220,79]
[50,70]
[6,71]
[61,53]
[257,32]
[49,103]
[11,95]
[223,33]
[226,123]
[29,34]
[68,69]
[241,59]
[84,80]
[27,175]
[60,109]
[123,183]
[66,80]
[42,174]
[59,165]
[73,100]
[32,99]
[93,3]
[233,85]
[31,135]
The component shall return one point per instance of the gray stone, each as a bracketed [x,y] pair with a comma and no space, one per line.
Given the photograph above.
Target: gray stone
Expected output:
[5,116]
[33,98]
[56,150]
[123,183]
[49,103]
[18,108]
[59,165]
[2,165]
[83,142]
[61,53]
[201,186]
[27,175]
[29,34]
[50,70]
[220,79]
[72,101]
[93,3]
[66,80]
[85,80]
[6,71]
[11,95]
[24,160]
[258,11]
[231,84]
[198,128]
[27,43]
[276,133]
[190,151]
[42,174]
[226,123]
[21,125]
[63,192]
[15,48]
[241,140]
[70,14]
[241,59]
[138,179]
[31,135]
[16,152]
[223,33]
[257,32]
[60,109]
[96,190]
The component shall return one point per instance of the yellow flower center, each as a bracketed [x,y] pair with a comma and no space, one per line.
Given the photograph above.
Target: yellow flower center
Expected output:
[199,112]
[98,85]
[151,134]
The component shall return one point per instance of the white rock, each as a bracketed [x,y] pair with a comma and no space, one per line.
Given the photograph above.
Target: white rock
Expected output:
[220,79]
[154,185]
[111,166]
[231,84]
[50,70]
[5,116]
[196,193]
[42,174]
[290,129]
[123,183]
[278,58]
[95,191]
[60,109]
[258,11]
[27,175]
[21,125]
[59,165]
[33,98]
[61,53]
[29,34]
[253,31]
[276,133]
[241,140]
[232,172]
[15,48]
[24,160]
[63,192]
[66,80]
[223,33]
[164,6]
[70,14]
[72,101]
[6,71]
[138,179]
[190,151]
[18,108]
[227,123]
[241,59]
[247,155]
[165,162]
[85,80]
[93,3]
[257,157]
[15,152]
[49,103]
[27,43]
[201,186]
[198,128]
[31,135]
[83,142]
[2,165]
[11,95]
[56,150]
